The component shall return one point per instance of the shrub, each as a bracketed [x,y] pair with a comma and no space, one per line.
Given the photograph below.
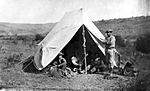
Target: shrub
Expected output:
[38,37]
[120,41]
[20,38]
[15,42]
[26,39]
[143,43]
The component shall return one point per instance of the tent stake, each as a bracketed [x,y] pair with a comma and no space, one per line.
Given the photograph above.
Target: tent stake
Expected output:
[84,46]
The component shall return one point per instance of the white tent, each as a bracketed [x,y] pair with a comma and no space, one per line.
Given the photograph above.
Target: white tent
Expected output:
[62,33]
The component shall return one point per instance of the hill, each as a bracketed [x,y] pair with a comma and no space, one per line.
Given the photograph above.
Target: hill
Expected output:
[126,26]
[24,29]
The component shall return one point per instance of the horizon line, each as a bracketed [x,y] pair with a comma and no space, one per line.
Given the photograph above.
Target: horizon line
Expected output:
[92,21]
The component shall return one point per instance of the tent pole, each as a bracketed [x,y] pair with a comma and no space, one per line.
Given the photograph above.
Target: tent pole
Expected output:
[84,46]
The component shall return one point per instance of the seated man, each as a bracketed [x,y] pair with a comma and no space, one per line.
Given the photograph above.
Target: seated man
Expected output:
[62,62]
[75,63]
[97,64]
[59,67]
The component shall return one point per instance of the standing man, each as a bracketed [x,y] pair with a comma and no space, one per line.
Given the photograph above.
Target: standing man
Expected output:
[110,50]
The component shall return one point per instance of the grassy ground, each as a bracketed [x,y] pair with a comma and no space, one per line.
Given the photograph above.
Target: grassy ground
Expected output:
[14,78]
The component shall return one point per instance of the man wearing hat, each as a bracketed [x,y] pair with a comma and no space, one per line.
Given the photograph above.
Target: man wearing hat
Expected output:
[62,62]
[110,50]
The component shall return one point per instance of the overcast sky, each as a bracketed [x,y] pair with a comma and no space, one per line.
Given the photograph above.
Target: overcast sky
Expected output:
[46,11]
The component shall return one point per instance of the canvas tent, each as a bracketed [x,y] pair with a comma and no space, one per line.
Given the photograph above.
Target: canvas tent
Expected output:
[65,31]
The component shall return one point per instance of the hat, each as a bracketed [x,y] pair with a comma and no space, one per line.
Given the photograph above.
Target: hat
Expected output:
[109,31]
[61,53]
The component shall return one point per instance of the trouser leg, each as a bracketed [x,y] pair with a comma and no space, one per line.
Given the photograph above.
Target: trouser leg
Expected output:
[64,67]
[110,58]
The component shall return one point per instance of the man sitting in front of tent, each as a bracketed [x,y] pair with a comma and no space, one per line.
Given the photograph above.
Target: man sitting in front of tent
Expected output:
[76,66]
[97,65]
[62,62]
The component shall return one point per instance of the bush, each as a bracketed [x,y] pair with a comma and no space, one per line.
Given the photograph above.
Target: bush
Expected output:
[143,44]
[15,42]
[26,39]
[21,38]
[120,41]
[38,37]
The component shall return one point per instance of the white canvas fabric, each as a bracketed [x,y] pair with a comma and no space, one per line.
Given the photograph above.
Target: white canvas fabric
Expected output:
[62,33]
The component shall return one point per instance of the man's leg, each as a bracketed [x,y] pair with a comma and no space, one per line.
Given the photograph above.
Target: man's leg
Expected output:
[112,62]
[110,71]
[64,67]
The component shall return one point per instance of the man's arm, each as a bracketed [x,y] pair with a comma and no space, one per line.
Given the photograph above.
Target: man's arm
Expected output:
[63,62]
[74,62]
[103,41]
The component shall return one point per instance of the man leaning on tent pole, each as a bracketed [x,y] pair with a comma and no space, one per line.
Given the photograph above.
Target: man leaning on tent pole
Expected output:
[110,50]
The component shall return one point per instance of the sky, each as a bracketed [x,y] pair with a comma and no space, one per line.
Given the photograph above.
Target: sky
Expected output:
[50,11]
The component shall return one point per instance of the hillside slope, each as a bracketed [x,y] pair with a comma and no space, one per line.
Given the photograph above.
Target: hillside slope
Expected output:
[24,29]
[126,27]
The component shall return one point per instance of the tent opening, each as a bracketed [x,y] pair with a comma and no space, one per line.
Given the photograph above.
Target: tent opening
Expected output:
[75,48]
